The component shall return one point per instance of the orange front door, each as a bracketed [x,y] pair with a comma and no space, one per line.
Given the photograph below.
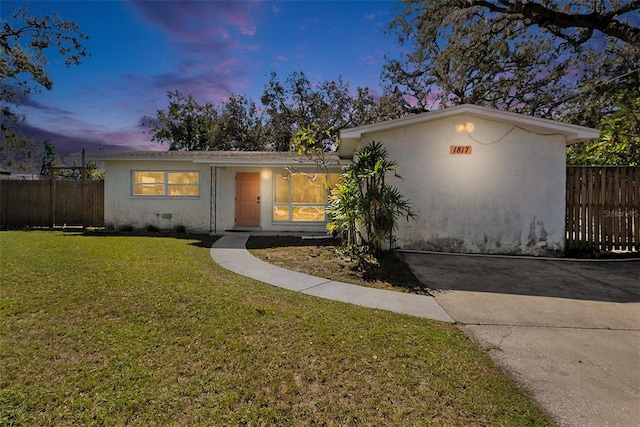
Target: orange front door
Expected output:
[248,199]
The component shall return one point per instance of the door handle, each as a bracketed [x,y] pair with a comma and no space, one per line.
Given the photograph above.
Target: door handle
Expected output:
[258,200]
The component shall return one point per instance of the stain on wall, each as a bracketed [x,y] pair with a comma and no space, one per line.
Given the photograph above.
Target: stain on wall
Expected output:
[439,244]
[538,235]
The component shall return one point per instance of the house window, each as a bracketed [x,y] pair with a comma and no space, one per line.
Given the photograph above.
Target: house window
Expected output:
[156,183]
[301,197]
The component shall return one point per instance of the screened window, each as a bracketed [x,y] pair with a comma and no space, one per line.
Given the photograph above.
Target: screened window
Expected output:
[301,197]
[148,183]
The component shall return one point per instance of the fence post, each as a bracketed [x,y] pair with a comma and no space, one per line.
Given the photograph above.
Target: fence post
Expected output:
[52,198]
[83,195]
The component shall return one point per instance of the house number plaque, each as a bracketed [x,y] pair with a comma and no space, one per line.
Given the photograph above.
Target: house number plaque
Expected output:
[460,149]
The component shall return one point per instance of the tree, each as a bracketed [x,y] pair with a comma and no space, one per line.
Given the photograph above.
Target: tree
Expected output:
[309,142]
[364,198]
[75,160]
[18,153]
[367,110]
[185,125]
[619,142]
[297,115]
[569,60]
[345,210]
[298,102]
[24,40]
[492,53]
[459,55]
[23,68]
[239,126]
[562,19]
[49,157]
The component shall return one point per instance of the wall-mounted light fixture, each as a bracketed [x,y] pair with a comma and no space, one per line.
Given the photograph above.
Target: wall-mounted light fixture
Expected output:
[464,127]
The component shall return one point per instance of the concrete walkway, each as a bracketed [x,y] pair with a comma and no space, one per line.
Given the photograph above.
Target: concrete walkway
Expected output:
[230,252]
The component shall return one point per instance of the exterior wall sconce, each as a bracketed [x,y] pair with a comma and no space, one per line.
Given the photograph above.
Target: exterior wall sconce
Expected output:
[465,127]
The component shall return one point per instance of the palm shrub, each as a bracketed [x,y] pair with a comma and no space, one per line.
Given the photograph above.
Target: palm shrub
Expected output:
[365,201]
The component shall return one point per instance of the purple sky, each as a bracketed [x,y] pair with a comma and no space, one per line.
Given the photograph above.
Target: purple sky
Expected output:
[140,50]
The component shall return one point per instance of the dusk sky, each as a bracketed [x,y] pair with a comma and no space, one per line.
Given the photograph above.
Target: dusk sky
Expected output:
[142,49]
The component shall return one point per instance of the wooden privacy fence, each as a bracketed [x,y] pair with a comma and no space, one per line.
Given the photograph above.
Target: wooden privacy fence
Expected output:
[603,208]
[47,203]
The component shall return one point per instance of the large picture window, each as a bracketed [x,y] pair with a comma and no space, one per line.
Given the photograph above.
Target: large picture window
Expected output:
[301,196]
[164,183]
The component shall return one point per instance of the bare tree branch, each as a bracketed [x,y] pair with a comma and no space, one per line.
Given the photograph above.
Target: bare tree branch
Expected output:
[554,20]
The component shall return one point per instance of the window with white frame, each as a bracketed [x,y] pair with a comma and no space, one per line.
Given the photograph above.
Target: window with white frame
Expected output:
[302,197]
[166,183]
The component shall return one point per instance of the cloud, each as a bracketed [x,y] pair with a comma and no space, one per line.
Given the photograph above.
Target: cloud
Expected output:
[210,43]
[189,21]
[93,140]
[29,102]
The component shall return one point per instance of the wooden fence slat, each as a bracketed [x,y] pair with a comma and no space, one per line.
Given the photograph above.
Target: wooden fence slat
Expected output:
[568,220]
[597,204]
[603,208]
[624,235]
[29,203]
[636,209]
[616,209]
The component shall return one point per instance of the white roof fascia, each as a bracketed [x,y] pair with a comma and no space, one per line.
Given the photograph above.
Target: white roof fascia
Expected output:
[213,162]
[349,138]
[117,158]
[263,162]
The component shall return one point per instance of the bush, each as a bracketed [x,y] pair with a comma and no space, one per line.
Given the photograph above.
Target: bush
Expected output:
[363,198]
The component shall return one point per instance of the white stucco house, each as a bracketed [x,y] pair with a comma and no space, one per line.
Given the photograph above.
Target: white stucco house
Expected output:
[480,181]
[213,191]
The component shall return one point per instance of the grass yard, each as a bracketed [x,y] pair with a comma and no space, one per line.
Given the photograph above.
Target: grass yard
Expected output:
[127,330]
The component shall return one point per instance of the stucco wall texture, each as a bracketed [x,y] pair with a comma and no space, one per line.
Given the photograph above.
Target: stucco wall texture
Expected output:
[506,197]
[211,211]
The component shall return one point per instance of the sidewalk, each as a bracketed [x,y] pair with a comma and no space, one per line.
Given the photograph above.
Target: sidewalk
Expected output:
[230,252]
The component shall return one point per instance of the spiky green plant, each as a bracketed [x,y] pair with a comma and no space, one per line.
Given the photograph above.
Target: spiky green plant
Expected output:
[364,198]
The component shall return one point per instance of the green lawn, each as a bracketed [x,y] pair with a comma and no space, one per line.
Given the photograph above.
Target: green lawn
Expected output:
[126,330]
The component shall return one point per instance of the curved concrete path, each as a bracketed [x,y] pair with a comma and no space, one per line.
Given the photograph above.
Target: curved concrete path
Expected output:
[230,252]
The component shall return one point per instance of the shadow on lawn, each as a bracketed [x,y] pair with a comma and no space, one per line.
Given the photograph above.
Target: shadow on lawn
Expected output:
[201,240]
[390,270]
[272,242]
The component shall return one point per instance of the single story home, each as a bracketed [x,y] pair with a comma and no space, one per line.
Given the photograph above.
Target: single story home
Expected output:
[213,191]
[480,181]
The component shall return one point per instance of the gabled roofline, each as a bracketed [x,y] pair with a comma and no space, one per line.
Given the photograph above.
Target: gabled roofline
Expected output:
[349,138]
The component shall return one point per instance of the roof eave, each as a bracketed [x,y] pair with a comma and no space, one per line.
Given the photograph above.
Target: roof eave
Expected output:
[349,138]
[211,161]
[262,162]
[108,158]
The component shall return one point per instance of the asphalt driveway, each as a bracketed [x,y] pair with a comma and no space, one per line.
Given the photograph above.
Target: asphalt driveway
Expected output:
[569,331]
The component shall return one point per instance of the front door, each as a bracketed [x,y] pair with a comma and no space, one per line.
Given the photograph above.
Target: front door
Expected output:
[248,199]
